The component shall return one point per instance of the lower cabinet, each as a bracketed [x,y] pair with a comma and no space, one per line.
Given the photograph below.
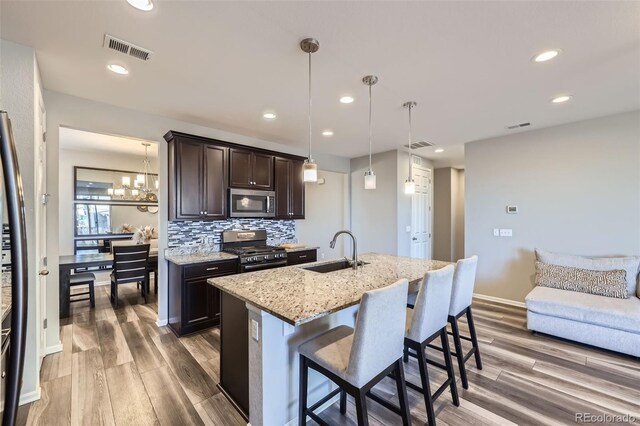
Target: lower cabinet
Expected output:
[302,256]
[193,303]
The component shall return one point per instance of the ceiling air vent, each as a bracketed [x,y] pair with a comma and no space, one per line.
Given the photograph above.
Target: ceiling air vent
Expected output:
[119,45]
[420,144]
[517,126]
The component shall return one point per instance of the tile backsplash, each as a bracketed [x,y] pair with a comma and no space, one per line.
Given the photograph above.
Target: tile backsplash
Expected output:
[196,233]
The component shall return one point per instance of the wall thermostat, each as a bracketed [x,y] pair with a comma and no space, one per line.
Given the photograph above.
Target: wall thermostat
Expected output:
[512,209]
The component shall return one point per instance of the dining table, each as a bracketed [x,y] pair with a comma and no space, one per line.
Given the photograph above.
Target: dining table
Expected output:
[68,263]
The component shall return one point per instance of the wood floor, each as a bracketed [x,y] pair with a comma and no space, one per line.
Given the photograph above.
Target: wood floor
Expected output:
[118,367]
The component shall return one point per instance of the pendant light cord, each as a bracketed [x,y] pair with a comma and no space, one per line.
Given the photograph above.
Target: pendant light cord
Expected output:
[370,127]
[310,106]
[410,160]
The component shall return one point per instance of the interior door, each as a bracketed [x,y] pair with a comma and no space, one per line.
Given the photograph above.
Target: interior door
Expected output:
[41,224]
[421,212]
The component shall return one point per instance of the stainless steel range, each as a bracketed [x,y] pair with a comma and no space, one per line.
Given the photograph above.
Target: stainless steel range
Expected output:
[251,248]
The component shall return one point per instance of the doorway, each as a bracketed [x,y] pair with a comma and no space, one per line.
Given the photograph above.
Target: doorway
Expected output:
[421,210]
[41,225]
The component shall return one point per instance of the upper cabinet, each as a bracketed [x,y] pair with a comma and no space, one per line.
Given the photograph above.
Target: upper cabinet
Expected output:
[289,187]
[202,170]
[249,169]
[197,180]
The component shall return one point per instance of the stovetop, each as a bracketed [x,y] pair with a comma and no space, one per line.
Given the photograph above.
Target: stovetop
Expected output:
[251,250]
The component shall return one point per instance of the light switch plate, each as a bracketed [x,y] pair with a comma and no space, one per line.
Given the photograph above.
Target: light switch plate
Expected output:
[506,232]
[255,330]
[496,232]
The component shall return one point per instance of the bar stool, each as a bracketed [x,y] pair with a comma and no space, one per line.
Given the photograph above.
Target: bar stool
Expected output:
[461,297]
[426,322]
[356,359]
[82,279]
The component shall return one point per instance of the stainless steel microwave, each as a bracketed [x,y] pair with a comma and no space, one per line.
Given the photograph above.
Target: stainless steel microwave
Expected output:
[251,203]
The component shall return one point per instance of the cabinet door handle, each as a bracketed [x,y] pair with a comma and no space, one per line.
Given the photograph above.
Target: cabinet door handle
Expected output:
[304,256]
[206,213]
[212,268]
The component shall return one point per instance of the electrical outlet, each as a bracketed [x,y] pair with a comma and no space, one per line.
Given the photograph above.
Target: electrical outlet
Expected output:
[407,229]
[496,232]
[506,232]
[254,330]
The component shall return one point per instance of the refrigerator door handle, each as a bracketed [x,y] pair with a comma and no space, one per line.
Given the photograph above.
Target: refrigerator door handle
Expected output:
[19,272]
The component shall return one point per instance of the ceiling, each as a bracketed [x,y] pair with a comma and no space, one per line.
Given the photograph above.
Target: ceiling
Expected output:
[223,64]
[80,140]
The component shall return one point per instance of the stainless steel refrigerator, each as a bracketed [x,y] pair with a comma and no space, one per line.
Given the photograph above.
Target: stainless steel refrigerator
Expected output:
[14,276]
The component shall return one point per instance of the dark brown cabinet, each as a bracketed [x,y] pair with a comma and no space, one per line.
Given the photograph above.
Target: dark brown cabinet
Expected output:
[249,169]
[302,256]
[289,188]
[193,303]
[197,180]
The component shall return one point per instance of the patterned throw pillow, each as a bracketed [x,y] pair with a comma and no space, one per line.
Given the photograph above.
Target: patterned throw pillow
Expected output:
[603,283]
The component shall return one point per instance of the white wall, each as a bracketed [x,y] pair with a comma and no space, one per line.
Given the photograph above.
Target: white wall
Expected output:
[379,217]
[105,160]
[20,83]
[578,190]
[326,212]
[70,111]
[374,211]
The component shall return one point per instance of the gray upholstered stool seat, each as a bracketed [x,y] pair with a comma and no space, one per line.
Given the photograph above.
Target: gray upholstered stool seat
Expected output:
[356,359]
[331,350]
[80,279]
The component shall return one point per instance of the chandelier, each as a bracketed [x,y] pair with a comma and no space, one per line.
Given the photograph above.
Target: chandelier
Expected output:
[143,186]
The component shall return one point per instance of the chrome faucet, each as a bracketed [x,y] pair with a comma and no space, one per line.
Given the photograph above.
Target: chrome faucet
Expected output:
[354,255]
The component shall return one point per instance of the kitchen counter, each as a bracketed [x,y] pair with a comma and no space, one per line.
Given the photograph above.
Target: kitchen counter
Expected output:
[285,307]
[296,295]
[193,258]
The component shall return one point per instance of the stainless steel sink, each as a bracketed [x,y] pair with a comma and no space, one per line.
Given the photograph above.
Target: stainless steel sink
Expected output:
[333,266]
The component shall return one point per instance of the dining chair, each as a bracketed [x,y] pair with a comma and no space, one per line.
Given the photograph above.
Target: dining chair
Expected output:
[129,266]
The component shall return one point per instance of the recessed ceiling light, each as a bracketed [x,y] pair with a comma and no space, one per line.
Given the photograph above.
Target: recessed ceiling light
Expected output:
[118,69]
[269,115]
[346,99]
[327,133]
[145,5]
[547,55]
[561,99]
[439,150]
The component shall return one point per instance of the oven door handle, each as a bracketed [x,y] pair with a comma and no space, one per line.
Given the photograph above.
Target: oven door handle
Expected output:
[263,265]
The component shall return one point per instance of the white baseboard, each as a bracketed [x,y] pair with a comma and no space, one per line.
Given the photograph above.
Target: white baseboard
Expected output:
[499,300]
[161,322]
[28,397]
[53,349]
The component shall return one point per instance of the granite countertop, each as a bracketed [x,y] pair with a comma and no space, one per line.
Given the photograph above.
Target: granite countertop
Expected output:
[189,259]
[297,296]
[6,293]
[291,250]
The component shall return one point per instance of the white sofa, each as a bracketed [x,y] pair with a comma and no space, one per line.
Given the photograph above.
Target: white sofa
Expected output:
[606,322]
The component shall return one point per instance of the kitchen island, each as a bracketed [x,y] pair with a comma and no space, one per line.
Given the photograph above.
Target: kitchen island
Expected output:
[290,305]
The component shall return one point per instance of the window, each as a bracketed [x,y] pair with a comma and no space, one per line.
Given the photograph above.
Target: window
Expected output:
[93,219]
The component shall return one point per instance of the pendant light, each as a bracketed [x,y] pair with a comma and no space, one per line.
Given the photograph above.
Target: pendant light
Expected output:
[409,184]
[310,168]
[369,176]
